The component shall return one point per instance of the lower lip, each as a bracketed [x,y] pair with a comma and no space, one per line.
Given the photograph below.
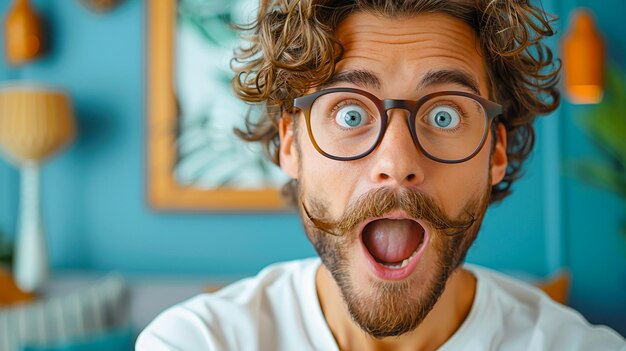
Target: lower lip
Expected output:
[386,273]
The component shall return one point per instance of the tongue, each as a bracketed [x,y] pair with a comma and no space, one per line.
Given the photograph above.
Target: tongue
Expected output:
[391,241]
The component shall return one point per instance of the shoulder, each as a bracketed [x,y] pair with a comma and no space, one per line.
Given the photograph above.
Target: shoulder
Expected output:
[246,310]
[521,314]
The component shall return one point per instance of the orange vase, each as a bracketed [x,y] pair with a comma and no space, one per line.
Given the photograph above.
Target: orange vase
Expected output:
[22,33]
[583,60]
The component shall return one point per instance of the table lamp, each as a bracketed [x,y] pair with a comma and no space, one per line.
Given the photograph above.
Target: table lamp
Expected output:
[35,122]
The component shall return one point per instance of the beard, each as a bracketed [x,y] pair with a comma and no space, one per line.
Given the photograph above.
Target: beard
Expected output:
[392,308]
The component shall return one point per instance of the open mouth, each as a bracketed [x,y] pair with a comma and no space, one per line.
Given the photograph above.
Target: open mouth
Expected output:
[393,245]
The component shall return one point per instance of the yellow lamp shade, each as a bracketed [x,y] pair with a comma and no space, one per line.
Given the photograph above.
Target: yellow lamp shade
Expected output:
[583,60]
[35,121]
[23,33]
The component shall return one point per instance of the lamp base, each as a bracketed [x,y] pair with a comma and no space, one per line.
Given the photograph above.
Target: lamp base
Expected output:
[31,257]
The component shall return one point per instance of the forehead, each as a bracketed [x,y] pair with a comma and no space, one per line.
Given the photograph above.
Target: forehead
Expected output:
[405,51]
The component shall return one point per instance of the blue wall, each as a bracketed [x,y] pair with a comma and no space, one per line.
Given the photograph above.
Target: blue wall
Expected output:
[94,193]
[596,253]
[97,218]
[8,176]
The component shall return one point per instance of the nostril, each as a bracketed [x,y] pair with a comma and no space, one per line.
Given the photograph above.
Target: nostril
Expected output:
[409,178]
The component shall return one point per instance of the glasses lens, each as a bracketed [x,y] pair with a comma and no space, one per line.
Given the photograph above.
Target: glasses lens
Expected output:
[450,127]
[344,124]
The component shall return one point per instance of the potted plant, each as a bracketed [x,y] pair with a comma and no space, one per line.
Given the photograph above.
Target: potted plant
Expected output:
[6,251]
[606,125]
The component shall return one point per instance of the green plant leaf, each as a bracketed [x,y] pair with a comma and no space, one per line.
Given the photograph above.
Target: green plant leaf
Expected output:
[606,122]
[214,23]
[6,250]
[601,174]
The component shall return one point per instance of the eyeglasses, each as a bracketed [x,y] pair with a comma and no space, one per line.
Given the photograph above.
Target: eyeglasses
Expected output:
[347,124]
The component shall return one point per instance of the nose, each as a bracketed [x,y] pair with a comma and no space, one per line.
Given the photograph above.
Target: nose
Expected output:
[397,161]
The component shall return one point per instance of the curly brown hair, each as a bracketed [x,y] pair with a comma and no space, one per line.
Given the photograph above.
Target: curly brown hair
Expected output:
[291,47]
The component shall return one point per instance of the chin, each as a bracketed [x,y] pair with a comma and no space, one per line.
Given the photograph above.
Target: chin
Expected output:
[388,307]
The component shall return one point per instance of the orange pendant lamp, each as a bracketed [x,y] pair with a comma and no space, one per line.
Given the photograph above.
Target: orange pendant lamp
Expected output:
[583,60]
[23,33]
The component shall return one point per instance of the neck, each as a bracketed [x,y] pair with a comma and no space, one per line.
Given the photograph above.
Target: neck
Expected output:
[439,325]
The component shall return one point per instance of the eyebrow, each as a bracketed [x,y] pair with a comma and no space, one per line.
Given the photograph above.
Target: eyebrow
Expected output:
[360,78]
[367,79]
[451,76]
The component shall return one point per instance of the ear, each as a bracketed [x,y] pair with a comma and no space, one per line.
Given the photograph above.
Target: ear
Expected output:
[288,153]
[499,160]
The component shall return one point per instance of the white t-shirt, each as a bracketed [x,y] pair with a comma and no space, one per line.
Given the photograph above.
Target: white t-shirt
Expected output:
[279,310]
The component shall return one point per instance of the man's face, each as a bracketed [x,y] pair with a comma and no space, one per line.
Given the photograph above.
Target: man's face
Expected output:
[392,264]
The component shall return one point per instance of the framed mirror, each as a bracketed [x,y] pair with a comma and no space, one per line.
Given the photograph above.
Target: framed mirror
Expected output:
[195,162]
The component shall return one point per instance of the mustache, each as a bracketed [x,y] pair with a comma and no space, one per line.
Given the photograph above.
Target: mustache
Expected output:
[379,202]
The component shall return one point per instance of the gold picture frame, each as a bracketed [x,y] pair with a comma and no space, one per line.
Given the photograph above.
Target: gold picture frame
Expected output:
[163,190]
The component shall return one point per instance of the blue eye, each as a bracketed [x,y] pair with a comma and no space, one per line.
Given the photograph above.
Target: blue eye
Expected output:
[444,117]
[351,116]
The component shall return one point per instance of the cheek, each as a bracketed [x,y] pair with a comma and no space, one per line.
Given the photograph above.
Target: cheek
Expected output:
[458,184]
[330,181]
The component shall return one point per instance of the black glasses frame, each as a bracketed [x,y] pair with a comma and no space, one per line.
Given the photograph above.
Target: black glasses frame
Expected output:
[305,102]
